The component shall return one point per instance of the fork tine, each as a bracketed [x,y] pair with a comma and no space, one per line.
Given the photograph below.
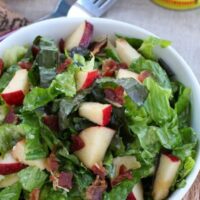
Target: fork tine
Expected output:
[99,3]
[96,7]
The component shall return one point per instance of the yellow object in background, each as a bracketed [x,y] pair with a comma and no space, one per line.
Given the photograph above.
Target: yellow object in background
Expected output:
[178,4]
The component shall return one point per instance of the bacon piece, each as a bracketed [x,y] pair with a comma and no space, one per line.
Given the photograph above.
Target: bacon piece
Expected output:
[52,163]
[143,75]
[61,45]
[25,65]
[95,191]
[123,174]
[77,143]
[63,66]
[51,121]
[96,47]
[11,117]
[65,180]
[35,194]
[99,170]
[131,196]
[109,67]
[1,66]
[115,94]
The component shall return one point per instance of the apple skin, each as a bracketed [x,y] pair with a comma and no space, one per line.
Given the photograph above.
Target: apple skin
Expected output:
[96,112]
[86,79]
[18,152]
[9,165]
[126,52]
[17,88]
[166,173]
[9,180]
[96,139]
[82,36]
[13,98]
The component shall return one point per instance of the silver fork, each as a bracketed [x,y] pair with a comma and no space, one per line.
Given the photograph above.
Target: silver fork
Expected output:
[96,7]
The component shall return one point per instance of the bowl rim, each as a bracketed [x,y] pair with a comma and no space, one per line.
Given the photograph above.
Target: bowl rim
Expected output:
[179,193]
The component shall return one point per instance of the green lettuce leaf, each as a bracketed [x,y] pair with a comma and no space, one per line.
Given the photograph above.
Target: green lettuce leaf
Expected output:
[7,76]
[31,178]
[38,97]
[34,149]
[11,192]
[157,103]
[12,55]
[3,112]
[9,135]
[158,73]
[148,45]
[49,193]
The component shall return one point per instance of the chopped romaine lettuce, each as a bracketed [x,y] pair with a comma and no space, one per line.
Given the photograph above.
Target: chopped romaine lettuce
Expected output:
[11,192]
[32,178]
[148,45]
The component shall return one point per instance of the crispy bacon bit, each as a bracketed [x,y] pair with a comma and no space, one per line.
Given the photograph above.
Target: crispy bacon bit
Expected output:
[122,66]
[143,75]
[35,194]
[99,170]
[63,66]
[25,65]
[77,143]
[52,163]
[123,174]
[65,180]
[61,45]
[115,94]
[51,121]
[96,47]
[95,191]
[11,117]
[1,66]
[109,67]
[35,50]
[131,196]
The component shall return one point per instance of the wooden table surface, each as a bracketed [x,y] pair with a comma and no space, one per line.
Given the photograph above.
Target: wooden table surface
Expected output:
[183,28]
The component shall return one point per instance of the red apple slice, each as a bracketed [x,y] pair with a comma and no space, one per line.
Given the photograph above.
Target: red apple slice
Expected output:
[17,88]
[126,52]
[82,36]
[96,140]
[166,173]
[96,112]
[85,79]
[124,73]
[9,165]
[137,192]
[8,180]
[129,162]
[18,153]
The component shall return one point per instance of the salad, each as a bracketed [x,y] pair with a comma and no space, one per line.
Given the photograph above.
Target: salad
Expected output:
[86,119]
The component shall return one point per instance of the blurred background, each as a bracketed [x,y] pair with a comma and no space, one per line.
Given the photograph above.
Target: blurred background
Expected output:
[181,27]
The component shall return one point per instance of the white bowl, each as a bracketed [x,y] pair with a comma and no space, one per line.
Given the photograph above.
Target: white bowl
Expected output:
[61,27]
